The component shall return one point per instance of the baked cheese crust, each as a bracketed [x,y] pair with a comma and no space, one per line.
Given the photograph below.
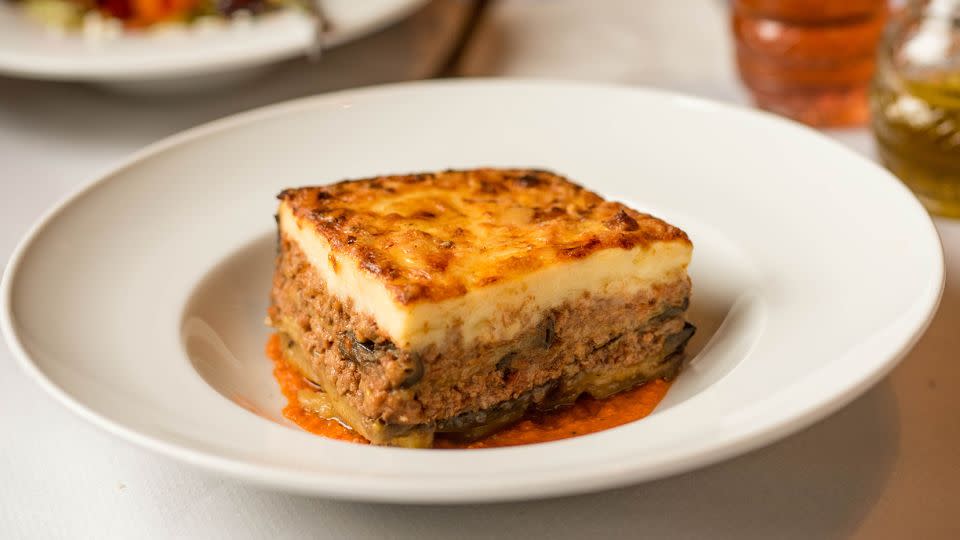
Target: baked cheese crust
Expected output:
[478,253]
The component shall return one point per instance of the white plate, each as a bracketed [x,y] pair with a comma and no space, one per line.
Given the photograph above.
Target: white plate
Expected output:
[138,303]
[27,49]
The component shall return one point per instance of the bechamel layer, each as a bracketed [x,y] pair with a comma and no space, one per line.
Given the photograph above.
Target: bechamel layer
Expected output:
[495,312]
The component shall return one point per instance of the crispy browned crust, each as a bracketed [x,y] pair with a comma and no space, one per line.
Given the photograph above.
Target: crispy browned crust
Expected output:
[434,236]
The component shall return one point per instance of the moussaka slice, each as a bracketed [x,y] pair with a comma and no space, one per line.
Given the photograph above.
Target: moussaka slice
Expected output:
[453,302]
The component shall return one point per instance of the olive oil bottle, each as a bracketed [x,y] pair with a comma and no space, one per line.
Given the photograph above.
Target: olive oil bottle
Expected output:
[915,105]
[917,129]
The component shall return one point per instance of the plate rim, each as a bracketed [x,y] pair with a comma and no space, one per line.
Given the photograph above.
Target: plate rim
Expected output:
[348,487]
[42,67]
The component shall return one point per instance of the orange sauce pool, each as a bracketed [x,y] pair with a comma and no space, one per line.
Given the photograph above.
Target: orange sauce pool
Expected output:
[587,415]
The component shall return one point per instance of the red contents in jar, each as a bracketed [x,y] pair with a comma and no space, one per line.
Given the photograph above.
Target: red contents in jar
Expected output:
[810,60]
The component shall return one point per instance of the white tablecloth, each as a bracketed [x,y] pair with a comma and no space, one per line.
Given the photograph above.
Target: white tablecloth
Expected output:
[887,466]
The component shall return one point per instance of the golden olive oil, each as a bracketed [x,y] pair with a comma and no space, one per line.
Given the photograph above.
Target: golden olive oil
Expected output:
[916,123]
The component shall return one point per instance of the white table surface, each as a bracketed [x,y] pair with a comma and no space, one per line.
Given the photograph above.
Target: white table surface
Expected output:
[887,466]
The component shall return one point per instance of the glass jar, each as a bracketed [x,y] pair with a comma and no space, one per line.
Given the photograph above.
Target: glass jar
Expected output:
[915,102]
[810,60]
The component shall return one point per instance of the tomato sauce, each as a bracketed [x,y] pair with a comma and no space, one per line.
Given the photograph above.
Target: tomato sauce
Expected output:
[586,415]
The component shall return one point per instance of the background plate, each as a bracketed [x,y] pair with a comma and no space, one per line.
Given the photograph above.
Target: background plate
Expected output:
[27,49]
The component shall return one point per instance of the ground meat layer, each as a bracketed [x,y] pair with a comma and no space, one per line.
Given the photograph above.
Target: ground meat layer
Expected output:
[594,345]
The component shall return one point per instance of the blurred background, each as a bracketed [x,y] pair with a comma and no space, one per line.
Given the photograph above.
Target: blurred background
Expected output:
[83,83]
[129,72]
